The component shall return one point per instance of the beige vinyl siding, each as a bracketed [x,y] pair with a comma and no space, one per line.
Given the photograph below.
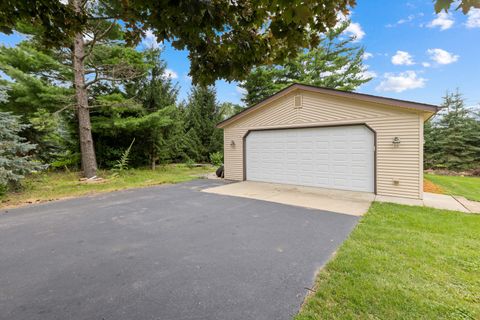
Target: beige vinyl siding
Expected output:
[403,163]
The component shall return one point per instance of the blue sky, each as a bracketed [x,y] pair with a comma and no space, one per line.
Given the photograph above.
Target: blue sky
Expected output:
[413,53]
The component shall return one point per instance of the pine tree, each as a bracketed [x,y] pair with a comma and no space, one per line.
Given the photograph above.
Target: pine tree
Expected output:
[37,96]
[15,160]
[432,147]
[228,109]
[202,113]
[46,83]
[458,135]
[335,63]
[146,111]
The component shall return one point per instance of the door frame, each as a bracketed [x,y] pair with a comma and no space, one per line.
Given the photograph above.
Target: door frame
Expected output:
[244,140]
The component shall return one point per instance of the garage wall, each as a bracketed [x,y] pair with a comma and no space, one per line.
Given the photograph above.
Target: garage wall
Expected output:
[399,170]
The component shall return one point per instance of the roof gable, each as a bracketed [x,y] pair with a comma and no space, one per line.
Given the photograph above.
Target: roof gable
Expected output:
[427,108]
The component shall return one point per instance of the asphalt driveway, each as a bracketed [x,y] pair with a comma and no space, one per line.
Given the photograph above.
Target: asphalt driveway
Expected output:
[166,252]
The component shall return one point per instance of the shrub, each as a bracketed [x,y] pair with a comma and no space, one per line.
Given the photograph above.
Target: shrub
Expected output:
[15,160]
[122,164]
[216,159]
[190,163]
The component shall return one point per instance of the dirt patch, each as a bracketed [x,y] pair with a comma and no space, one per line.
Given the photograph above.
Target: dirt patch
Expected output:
[429,186]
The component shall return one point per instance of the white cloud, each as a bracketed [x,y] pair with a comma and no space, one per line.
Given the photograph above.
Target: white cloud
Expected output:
[402,58]
[426,64]
[408,19]
[400,82]
[366,74]
[241,90]
[441,56]
[443,20]
[355,30]
[168,73]
[150,40]
[402,21]
[473,19]
[367,55]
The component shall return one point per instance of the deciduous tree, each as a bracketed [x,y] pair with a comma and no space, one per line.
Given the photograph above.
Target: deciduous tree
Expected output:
[465,5]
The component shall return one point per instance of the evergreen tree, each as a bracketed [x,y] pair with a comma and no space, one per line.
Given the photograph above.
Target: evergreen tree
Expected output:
[146,111]
[45,84]
[3,94]
[458,135]
[335,63]
[15,160]
[37,94]
[432,148]
[94,55]
[202,113]
[228,109]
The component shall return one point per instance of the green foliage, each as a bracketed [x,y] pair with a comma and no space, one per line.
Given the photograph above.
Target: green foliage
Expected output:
[67,160]
[145,111]
[451,141]
[202,113]
[58,21]
[240,34]
[216,159]
[122,163]
[15,160]
[335,63]
[465,5]
[3,94]
[189,163]
[228,109]
[38,92]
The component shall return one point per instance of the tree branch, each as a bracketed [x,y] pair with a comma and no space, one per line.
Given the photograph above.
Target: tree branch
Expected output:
[96,37]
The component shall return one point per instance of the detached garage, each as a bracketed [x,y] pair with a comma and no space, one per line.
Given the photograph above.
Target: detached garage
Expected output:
[319,137]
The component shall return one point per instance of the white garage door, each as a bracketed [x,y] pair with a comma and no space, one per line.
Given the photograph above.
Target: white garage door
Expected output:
[334,157]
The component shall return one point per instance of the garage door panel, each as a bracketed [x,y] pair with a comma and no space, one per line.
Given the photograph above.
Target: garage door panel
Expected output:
[336,157]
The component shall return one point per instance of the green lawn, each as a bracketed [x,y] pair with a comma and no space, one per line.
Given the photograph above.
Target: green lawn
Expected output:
[403,262]
[469,187]
[58,185]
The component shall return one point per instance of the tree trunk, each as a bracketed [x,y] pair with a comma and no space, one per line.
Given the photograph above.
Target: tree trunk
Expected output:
[153,157]
[89,163]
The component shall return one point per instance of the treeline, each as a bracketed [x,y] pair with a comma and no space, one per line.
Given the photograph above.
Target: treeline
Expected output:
[452,137]
[143,108]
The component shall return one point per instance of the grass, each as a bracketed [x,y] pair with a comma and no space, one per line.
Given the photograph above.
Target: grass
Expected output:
[57,185]
[402,262]
[468,187]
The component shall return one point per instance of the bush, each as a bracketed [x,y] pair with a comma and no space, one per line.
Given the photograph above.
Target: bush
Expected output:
[122,164]
[216,159]
[15,159]
[190,163]
[67,160]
